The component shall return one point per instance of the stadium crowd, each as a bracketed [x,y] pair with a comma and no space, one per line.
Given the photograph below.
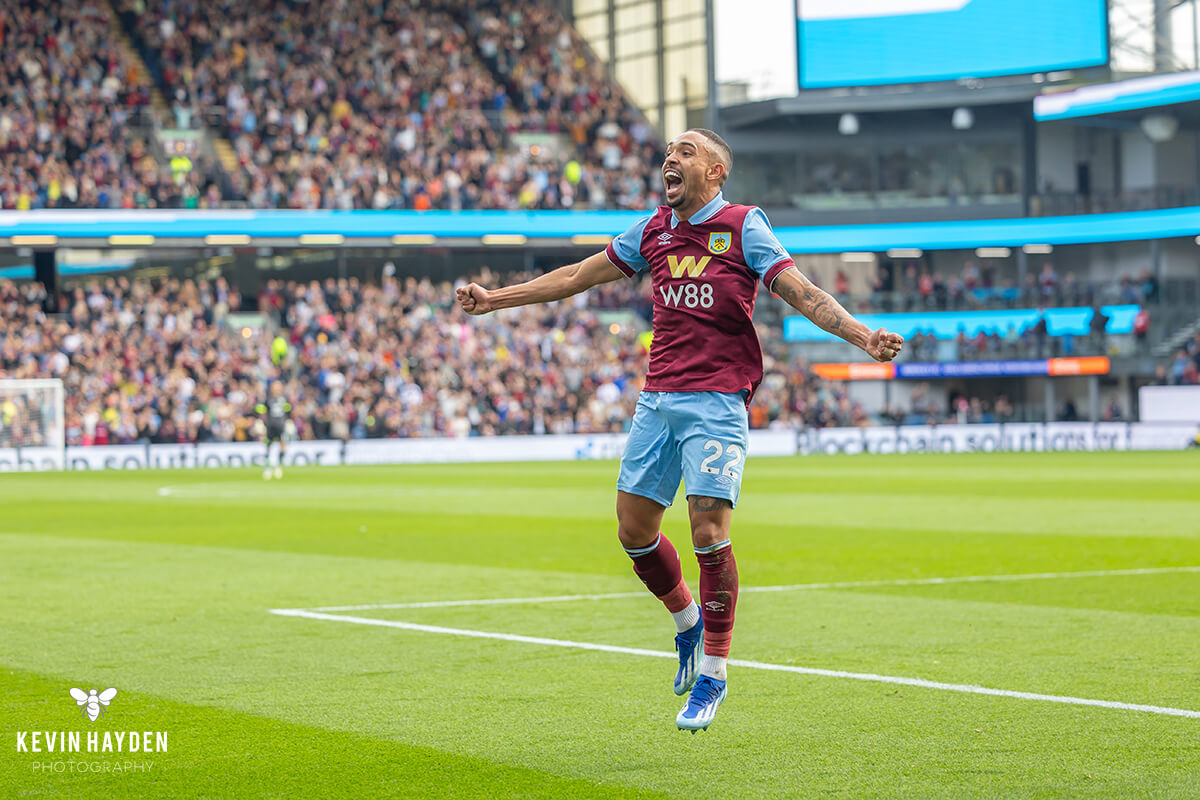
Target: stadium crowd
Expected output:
[160,362]
[397,104]
[68,97]
[163,361]
[400,104]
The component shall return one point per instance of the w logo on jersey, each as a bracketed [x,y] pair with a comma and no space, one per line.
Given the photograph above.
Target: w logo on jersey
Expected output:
[719,242]
[688,264]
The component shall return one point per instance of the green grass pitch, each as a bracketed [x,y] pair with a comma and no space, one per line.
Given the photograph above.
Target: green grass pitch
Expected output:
[160,584]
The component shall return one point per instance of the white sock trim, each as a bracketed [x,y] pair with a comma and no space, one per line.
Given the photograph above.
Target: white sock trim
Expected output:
[713,666]
[686,620]
[641,551]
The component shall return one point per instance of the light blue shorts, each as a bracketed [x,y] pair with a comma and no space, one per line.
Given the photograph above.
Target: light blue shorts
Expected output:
[697,437]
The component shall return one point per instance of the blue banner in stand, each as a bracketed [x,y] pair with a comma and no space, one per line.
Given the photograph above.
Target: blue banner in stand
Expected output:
[974,369]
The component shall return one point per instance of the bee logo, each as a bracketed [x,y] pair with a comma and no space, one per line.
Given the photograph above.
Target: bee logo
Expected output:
[92,702]
[719,242]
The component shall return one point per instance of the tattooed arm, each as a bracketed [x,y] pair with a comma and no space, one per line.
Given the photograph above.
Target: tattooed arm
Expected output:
[828,315]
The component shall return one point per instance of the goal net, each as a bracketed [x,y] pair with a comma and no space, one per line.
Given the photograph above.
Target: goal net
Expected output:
[32,425]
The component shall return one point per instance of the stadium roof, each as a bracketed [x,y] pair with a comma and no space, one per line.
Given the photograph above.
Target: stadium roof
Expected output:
[877,99]
[48,229]
[1110,98]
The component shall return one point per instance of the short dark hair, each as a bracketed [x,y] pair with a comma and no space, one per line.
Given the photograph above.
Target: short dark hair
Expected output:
[724,151]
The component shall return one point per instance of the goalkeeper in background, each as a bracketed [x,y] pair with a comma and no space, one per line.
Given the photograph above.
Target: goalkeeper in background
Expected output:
[274,413]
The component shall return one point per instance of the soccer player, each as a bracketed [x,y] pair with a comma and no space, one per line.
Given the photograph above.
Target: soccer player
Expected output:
[275,413]
[705,257]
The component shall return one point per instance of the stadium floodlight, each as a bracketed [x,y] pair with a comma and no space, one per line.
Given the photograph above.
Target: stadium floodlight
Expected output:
[904,252]
[1159,128]
[848,124]
[1038,249]
[32,423]
[504,239]
[34,241]
[993,252]
[962,119]
[858,258]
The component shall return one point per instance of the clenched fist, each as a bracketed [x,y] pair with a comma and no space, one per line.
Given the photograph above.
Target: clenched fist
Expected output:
[475,299]
[884,346]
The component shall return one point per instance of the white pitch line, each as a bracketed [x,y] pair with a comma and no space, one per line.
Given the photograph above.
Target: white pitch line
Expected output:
[828,673]
[795,587]
[492,601]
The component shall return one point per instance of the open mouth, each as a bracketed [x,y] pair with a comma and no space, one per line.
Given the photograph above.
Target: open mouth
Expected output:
[672,181]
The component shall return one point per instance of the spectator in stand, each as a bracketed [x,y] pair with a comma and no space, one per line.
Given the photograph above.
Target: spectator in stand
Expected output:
[1048,284]
[1141,329]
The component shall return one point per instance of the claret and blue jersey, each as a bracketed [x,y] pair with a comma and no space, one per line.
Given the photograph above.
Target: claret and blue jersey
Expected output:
[705,360]
[704,272]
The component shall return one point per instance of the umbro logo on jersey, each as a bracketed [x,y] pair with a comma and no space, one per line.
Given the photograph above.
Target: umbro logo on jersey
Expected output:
[664,238]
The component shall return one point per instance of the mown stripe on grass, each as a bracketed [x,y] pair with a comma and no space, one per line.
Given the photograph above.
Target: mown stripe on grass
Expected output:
[829,673]
[219,753]
[792,587]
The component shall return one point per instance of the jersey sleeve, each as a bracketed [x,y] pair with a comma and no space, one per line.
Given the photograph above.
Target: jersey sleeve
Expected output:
[625,251]
[764,254]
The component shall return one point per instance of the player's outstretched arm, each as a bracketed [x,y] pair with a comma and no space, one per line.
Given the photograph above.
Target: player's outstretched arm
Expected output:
[555,285]
[829,315]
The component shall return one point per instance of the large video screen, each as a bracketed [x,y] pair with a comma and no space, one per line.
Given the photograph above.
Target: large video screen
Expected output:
[873,42]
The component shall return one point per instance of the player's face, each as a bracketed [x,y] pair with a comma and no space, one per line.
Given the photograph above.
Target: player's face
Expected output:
[683,168]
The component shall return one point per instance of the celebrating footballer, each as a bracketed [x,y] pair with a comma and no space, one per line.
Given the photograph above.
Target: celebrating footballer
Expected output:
[705,257]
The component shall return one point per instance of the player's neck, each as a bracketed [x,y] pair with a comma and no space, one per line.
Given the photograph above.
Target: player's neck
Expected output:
[688,210]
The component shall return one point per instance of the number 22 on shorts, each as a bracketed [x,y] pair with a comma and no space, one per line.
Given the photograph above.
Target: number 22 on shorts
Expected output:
[735,459]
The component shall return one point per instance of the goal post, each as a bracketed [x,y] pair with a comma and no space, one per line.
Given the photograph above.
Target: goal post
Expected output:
[32,424]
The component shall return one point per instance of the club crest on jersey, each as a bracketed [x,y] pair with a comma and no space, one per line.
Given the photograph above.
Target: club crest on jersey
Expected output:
[719,242]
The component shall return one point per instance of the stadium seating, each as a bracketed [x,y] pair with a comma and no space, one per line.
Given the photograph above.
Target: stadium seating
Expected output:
[161,362]
[401,104]
[70,96]
[157,362]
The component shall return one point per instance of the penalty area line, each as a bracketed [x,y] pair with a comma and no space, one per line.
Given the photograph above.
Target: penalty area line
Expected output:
[964,688]
[794,587]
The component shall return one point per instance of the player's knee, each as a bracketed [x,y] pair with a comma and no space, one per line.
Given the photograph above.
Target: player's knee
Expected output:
[706,533]
[635,529]
[635,532]
[633,539]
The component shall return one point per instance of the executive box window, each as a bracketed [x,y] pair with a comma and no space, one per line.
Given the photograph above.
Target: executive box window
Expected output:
[893,176]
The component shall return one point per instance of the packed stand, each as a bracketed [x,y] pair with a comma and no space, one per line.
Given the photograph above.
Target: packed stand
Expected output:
[72,99]
[157,361]
[558,86]
[347,105]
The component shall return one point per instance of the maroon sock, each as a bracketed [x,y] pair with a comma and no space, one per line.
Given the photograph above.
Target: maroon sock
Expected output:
[718,597]
[658,567]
